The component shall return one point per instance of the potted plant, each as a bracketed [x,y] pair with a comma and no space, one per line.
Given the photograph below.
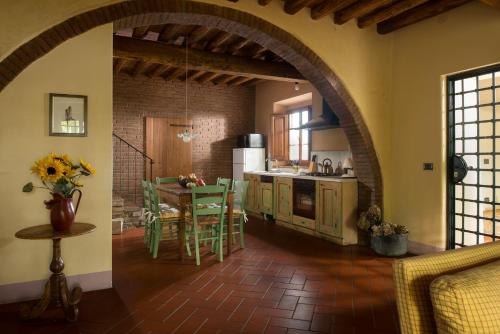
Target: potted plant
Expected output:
[61,177]
[387,239]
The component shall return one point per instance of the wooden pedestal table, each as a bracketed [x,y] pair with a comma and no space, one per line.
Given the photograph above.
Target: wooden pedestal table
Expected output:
[56,289]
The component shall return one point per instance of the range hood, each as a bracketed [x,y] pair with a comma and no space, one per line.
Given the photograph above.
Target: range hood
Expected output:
[327,120]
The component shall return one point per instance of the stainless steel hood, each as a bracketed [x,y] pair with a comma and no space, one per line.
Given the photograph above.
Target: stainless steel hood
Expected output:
[327,120]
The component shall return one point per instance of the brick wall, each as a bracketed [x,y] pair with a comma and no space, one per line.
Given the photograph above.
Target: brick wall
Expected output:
[219,113]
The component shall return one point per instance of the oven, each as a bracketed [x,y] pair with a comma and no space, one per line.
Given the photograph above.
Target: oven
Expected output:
[304,198]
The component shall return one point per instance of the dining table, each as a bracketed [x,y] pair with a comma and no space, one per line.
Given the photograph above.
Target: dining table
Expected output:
[175,194]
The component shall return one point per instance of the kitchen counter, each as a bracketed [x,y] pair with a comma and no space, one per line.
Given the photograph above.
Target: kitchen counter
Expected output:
[306,177]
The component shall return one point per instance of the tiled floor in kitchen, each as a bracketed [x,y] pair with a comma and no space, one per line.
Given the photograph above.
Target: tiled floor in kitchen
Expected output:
[282,282]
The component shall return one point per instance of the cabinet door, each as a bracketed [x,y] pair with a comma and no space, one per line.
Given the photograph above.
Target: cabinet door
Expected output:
[284,199]
[329,221]
[266,198]
[251,193]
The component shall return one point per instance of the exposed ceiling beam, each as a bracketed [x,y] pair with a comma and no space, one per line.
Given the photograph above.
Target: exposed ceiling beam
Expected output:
[264,2]
[294,6]
[119,65]
[218,40]
[153,52]
[207,77]
[358,9]
[492,3]
[141,65]
[174,73]
[140,32]
[388,12]
[239,81]
[157,71]
[198,34]
[418,14]
[223,79]
[327,7]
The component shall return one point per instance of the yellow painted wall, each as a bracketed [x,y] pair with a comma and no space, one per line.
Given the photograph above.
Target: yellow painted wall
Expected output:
[80,66]
[462,39]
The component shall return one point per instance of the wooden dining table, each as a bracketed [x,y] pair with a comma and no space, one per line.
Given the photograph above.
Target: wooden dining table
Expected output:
[175,194]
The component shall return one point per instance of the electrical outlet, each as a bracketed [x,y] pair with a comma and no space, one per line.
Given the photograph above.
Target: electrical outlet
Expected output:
[428,166]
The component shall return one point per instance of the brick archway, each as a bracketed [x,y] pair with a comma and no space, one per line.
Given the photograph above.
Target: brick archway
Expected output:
[150,12]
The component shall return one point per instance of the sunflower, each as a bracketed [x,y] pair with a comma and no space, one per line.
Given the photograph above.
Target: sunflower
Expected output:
[64,158]
[87,167]
[48,169]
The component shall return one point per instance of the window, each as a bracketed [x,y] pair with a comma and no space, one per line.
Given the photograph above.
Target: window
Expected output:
[298,139]
[289,142]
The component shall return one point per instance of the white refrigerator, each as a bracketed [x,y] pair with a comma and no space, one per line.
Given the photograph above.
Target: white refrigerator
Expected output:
[248,160]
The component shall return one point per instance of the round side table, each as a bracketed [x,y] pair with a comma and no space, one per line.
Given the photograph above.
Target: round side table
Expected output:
[56,289]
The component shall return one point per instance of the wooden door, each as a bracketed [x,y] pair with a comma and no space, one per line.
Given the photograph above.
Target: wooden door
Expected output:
[284,199]
[171,156]
[280,137]
[329,208]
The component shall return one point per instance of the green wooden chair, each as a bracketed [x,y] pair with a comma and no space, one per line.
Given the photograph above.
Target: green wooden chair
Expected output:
[225,182]
[208,206]
[239,214]
[147,211]
[163,217]
[165,180]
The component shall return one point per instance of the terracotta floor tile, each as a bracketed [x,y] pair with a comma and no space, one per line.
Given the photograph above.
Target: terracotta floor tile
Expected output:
[282,282]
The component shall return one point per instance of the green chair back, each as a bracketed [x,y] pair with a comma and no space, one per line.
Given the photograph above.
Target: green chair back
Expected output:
[225,182]
[165,180]
[240,194]
[209,200]
[155,200]
[146,190]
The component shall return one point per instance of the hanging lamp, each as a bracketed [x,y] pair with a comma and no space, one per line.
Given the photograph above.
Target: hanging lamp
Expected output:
[187,135]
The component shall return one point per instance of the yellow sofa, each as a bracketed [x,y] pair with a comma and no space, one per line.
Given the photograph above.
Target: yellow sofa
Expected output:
[413,277]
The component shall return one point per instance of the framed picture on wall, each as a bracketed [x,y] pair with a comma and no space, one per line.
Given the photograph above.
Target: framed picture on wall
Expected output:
[67,115]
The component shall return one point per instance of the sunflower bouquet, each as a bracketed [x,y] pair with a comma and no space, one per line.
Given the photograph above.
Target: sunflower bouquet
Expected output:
[59,174]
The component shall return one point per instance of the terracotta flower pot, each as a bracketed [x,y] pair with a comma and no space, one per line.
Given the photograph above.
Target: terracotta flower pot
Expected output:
[62,211]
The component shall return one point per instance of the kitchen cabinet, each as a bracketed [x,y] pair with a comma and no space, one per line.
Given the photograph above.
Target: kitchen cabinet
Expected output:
[251,204]
[283,199]
[328,208]
[336,211]
[265,198]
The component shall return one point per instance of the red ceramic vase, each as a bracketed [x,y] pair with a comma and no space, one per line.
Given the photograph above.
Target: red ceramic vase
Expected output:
[62,211]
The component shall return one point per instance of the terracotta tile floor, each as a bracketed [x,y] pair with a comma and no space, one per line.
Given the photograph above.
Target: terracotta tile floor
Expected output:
[283,282]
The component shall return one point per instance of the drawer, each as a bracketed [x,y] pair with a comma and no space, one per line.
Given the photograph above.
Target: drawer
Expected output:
[304,222]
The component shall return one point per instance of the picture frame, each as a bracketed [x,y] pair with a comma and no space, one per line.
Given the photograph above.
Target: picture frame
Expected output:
[67,115]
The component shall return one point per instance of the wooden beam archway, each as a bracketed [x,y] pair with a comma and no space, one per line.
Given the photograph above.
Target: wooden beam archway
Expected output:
[130,14]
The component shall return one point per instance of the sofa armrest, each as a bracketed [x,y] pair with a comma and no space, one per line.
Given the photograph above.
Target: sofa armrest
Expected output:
[413,276]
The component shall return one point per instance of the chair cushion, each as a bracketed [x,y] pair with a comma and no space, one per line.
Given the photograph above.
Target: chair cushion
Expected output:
[468,301]
[169,213]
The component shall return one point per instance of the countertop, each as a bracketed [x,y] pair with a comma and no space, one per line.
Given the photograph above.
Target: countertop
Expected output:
[306,177]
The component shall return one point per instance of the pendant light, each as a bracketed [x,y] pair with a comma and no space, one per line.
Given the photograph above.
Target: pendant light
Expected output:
[186,135]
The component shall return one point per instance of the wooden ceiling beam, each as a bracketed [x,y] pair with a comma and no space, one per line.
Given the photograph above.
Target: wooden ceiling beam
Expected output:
[492,3]
[138,68]
[174,73]
[170,31]
[207,77]
[388,12]
[119,65]
[198,34]
[153,52]
[264,2]
[239,81]
[140,32]
[238,45]
[252,82]
[218,40]
[156,71]
[418,14]
[223,79]
[358,9]
[294,6]
[328,7]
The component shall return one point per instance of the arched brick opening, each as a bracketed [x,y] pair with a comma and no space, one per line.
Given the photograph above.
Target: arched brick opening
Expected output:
[149,12]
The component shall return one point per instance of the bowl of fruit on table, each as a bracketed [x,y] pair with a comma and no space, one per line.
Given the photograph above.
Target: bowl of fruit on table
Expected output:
[190,181]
